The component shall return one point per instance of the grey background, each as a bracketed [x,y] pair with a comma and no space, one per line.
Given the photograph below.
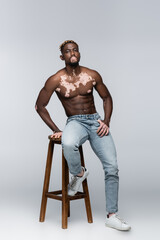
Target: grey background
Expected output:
[119,39]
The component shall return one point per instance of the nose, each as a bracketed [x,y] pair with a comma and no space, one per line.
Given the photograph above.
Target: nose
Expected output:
[72,53]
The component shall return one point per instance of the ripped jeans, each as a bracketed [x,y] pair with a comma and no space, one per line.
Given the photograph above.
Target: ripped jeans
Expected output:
[80,128]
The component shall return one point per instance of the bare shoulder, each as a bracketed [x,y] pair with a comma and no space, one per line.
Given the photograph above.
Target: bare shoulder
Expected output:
[56,76]
[53,81]
[93,73]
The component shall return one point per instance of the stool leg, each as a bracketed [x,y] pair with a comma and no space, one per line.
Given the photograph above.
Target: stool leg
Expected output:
[67,182]
[65,201]
[85,189]
[46,181]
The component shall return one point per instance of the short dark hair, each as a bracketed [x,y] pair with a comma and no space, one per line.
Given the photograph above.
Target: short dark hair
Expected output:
[64,43]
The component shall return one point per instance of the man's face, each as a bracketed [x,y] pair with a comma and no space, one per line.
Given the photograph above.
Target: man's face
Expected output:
[71,54]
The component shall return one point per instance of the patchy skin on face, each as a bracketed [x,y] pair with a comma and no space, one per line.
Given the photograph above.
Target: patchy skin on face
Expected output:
[82,78]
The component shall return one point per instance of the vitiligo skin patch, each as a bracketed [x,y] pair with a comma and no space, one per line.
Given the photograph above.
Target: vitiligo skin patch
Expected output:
[72,83]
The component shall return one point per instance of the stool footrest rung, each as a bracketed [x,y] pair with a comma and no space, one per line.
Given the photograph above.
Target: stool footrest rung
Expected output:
[78,195]
[55,195]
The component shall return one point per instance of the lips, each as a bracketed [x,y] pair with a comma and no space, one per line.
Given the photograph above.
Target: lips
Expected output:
[73,59]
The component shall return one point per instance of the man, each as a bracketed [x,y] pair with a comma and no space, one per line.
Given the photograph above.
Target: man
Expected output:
[74,86]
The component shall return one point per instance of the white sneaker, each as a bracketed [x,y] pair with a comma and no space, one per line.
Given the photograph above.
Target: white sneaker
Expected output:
[76,181]
[116,222]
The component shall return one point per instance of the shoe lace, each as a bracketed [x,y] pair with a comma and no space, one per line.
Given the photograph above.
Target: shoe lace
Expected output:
[73,181]
[117,216]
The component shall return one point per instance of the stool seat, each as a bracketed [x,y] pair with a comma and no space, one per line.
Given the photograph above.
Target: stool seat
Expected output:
[62,195]
[56,140]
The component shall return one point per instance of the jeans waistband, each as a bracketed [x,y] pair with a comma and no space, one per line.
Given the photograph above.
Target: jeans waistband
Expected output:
[85,116]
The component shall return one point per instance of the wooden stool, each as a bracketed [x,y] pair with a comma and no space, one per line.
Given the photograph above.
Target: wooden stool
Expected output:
[62,195]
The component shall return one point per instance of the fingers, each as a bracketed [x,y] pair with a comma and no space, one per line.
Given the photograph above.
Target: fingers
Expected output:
[103,129]
[56,135]
[107,132]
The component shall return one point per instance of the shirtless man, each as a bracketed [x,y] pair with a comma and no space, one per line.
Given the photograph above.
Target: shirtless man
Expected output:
[74,86]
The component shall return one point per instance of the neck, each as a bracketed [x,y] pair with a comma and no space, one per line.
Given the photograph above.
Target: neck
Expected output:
[73,70]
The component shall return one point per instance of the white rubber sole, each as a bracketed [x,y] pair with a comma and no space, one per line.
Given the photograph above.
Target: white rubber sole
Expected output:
[119,229]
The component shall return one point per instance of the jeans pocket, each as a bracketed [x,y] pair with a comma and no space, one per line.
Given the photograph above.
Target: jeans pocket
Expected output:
[96,123]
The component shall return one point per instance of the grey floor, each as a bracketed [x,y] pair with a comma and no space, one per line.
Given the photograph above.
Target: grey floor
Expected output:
[20,212]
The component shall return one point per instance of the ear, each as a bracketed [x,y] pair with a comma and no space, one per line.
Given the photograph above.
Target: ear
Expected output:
[61,57]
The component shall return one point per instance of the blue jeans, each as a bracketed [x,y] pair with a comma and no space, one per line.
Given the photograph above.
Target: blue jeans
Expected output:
[80,128]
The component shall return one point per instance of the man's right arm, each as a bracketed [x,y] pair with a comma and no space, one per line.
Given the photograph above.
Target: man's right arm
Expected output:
[42,101]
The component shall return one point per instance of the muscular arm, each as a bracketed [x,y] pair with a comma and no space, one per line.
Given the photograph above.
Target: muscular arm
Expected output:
[42,101]
[105,95]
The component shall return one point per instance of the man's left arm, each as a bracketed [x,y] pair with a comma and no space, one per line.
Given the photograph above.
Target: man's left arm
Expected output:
[107,104]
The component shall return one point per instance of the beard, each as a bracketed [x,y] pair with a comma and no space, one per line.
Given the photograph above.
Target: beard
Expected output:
[73,64]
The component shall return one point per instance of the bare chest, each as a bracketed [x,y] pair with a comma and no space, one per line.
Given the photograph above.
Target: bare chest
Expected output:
[77,85]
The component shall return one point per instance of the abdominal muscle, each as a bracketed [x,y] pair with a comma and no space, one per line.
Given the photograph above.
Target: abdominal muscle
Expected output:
[78,105]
